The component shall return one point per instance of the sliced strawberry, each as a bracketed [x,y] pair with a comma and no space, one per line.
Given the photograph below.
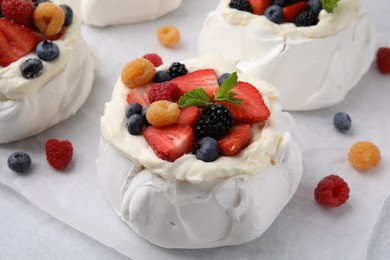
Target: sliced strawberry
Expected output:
[170,142]
[291,12]
[139,95]
[16,41]
[235,140]
[206,79]
[253,110]
[188,116]
[259,6]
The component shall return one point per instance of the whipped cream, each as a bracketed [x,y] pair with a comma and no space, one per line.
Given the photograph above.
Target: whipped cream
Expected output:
[313,67]
[105,13]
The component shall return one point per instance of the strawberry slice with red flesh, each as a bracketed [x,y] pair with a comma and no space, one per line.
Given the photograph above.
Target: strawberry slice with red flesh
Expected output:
[259,6]
[238,138]
[206,79]
[291,12]
[188,116]
[139,95]
[253,110]
[170,142]
[15,42]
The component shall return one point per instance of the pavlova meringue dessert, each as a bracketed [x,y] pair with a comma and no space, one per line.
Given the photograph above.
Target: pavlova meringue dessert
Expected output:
[46,70]
[313,51]
[196,155]
[115,12]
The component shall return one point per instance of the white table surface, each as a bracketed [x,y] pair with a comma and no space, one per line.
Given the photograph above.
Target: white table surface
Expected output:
[26,232]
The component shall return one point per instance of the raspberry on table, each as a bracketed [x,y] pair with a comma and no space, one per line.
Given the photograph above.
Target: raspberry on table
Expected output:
[19,11]
[49,18]
[169,35]
[383,60]
[59,153]
[364,156]
[137,72]
[162,113]
[154,59]
[332,191]
[164,91]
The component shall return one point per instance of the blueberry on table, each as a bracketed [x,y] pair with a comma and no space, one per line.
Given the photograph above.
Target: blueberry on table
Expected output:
[19,162]
[47,50]
[342,121]
[207,149]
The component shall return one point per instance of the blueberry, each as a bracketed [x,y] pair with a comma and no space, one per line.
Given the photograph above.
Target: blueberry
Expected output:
[207,149]
[37,2]
[143,114]
[281,3]
[161,76]
[19,162]
[47,50]
[135,124]
[274,13]
[315,6]
[68,14]
[32,68]
[222,78]
[133,108]
[342,121]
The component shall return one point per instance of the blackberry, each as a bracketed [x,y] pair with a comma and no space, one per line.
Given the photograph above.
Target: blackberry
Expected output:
[177,69]
[242,5]
[214,121]
[306,18]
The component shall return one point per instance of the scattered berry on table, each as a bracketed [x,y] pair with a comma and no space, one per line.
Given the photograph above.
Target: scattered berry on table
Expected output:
[207,149]
[154,59]
[68,14]
[59,153]
[161,76]
[49,18]
[19,162]
[214,121]
[332,191]
[291,12]
[259,6]
[164,91]
[342,121]
[242,5]
[315,6]
[222,78]
[177,69]
[19,11]
[383,60]
[138,72]
[32,68]
[364,156]
[139,95]
[205,78]
[135,124]
[162,113]
[306,18]
[133,108]
[188,116]
[169,36]
[238,138]
[47,50]
[274,13]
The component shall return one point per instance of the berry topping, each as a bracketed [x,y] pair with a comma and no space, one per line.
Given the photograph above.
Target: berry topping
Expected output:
[19,11]
[188,116]
[49,18]
[383,60]
[37,2]
[169,36]
[242,5]
[332,191]
[135,124]
[138,72]
[162,113]
[315,6]
[19,162]
[154,59]
[139,95]
[291,12]
[143,114]
[170,142]
[133,108]
[47,50]
[274,13]
[32,68]
[306,18]
[364,156]
[281,3]
[59,153]
[236,139]
[253,110]
[207,149]
[68,14]
[214,121]
[164,91]
[15,42]
[177,69]
[222,78]
[342,121]
[259,6]
[206,79]
[161,76]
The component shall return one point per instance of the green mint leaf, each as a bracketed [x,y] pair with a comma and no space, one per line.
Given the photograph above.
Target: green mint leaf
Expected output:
[329,5]
[225,93]
[196,97]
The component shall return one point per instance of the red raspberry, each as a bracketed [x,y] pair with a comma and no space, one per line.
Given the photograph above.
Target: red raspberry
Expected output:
[59,153]
[19,11]
[383,60]
[154,59]
[332,191]
[164,91]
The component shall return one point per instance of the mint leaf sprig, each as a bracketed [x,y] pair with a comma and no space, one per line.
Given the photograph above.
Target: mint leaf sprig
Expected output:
[329,5]
[199,97]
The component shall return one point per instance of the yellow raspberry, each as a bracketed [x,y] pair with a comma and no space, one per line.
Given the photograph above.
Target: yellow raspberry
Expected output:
[364,156]
[49,18]
[138,72]
[169,36]
[162,113]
